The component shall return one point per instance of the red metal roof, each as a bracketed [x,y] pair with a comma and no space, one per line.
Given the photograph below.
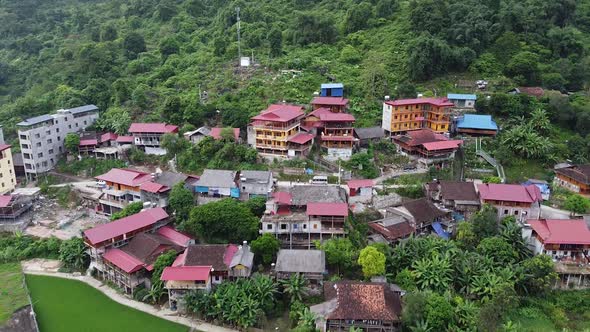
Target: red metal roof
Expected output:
[230,251]
[279,113]
[88,142]
[125,139]
[157,128]
[4,147]
[327,209]
[5,200]
[186,273]
[282,198]
[355,184]
[216,132]
[174,236]
[123,260]
[319,112]
[108,137]
[561,231]
[125,225]
[336,101]
[337,117]
[152,187]
[442,145]
[301,138]
[510,192]
[126,177]
[415,101]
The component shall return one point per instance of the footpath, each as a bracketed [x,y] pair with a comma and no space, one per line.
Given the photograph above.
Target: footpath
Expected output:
[40,267]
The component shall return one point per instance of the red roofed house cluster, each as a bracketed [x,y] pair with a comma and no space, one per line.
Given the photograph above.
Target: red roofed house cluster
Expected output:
[522,202]
[305,214]
[566,241]
[427,146]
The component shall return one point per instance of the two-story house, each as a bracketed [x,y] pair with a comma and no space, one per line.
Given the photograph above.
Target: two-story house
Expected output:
[427,146]
[522,202]
[568,243]
[42,137]
[148,136]
[305,214]
[276,131]
[404,115]
[120,187]
[459,196]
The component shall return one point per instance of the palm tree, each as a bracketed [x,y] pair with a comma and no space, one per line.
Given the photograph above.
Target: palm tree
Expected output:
[295,286]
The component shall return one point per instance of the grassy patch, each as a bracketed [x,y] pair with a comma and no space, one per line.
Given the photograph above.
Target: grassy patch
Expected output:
[12,292]
[68,305]
[522,169]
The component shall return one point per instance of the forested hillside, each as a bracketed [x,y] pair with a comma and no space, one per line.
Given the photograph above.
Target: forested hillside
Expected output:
[148,59]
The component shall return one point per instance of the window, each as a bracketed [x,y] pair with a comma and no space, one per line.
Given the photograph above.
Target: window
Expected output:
[23,136]
[37,135]
[48,132]
[76,124]
[3,185]
[516,212]
[283,226]
[269,227]
[69,126]
[57,130]
[505,211]
[25,146]
[304,226]
[295,226]
[553,252]
[315,226]
[84,122]
[38,144]
[49,141]
[50,151]
[44,164]
[40,155]
[60,149]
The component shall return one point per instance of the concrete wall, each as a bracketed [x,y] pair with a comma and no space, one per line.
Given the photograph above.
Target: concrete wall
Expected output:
[7,176]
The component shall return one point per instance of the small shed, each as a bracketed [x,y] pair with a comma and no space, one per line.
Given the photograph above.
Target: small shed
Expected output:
[332,90]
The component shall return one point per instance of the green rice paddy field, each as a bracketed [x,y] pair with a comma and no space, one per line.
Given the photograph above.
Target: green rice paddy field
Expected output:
[64,305]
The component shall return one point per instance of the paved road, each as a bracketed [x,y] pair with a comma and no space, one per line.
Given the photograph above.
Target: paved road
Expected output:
[548,212]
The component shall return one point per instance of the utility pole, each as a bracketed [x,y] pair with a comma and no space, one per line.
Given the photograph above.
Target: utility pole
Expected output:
[239,46]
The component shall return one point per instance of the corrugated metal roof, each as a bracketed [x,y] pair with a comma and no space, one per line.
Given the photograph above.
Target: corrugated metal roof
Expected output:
[418,101]
[123,260]
[303,261]
[35,120]
[158,128]
[82,109]
[217,178]
[280,113]
[327,209]
[562,231]
[477,121]
[127,177]
[461,96]
[125,225]
[355,184]
[442,145]
[186,273]
[332,86]
[301,138]
[174,236]
[338,101]
[509,192]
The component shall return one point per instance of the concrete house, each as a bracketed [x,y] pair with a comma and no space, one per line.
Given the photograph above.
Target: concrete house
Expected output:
[256,184]
[522,202]
[462,100]
[217,183]
[120,188]
[148,136]
[42,137]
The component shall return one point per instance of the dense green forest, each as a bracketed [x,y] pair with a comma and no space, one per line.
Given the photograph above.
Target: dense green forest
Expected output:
[148,59]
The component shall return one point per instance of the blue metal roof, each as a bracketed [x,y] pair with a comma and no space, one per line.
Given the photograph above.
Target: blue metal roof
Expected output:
[461,96]
[477,121]
[35,120]
[82,109]
[332,86]
[440,231]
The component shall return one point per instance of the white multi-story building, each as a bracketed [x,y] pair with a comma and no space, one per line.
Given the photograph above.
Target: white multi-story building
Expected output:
[42,137]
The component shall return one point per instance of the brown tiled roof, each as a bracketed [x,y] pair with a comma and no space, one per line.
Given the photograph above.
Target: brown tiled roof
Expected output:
[580,173]
[147,247]
[458,191]
[423,210]
[393,232]
[363,300]
[207,254]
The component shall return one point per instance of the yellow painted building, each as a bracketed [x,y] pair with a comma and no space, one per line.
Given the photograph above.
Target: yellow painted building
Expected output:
[412,114]
[7,177]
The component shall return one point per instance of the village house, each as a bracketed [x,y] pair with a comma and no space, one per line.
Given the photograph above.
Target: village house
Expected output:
[304,214]
[423,216]
[13,207]
[366,136]
[568,243]
[311,264]
[459,196]
[533,91]
[427,147]
[542,185]
[148,136]
[119,233]
[42,137]
[362,188]
[120,187]
[195,136]
[276,131]
[332,90]
[461,100]
[335,104]
[203,266]
[335,130]
[217,184]
[390,230]
[367,306]
[256,184]
[157,190]
[522,202]
[575,178]
[87,146]
[404,115]
[7,170]
[476,125]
